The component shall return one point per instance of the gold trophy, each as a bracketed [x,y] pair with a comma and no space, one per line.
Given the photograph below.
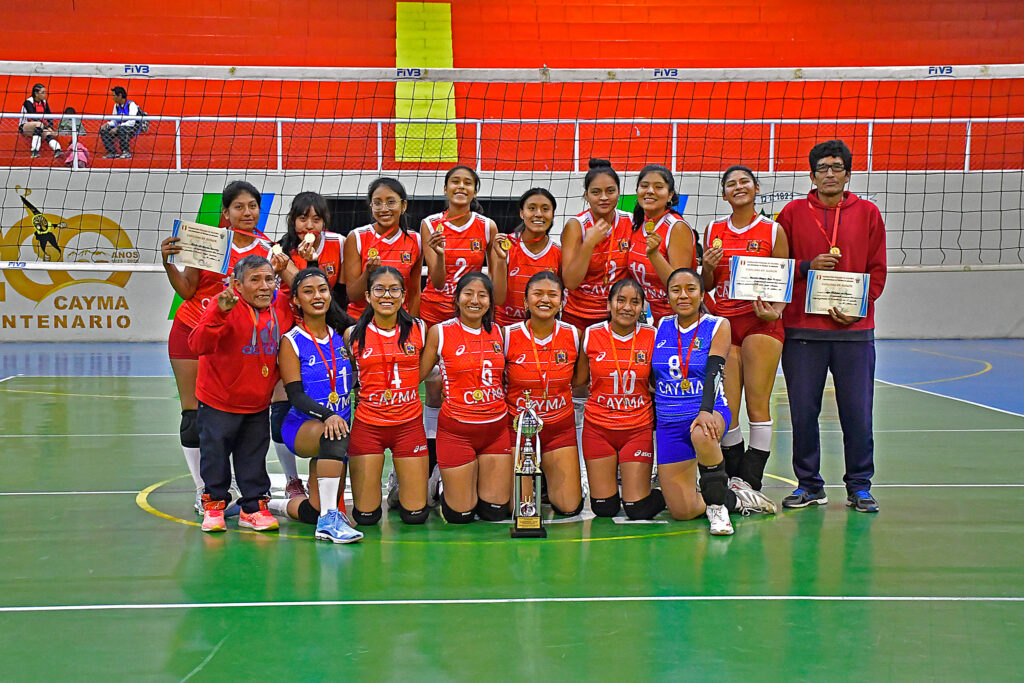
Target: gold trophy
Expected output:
[526,522]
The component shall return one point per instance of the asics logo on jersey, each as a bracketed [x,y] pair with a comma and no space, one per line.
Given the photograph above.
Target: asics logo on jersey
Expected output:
[662,343]
[461,350]
[600,357]
[367,351]
[312,361]
[646,455]
[514,272]
[521,359]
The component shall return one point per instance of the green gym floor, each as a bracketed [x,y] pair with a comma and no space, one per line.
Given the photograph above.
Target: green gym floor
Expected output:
[104,573]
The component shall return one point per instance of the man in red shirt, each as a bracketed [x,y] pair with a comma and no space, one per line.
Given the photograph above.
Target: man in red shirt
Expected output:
[237,342]
[832,229]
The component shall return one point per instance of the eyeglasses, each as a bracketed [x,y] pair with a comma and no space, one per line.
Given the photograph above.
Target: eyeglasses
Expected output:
[380,290]
[391,204]
[837,168]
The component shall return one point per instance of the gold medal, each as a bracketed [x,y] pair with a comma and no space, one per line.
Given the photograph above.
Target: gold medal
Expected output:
[371,253]
[387,394]
[649,227]
[835,251]
[266,371]
[685,385]
[716,243]
[276,249]
[309,238]
[506,243]
[478,395]
[333,398]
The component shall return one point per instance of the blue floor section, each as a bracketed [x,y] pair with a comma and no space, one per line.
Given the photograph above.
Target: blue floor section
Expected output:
[985,371]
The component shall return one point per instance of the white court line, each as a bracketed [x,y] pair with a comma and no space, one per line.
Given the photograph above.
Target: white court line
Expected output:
[68,493]
[505,601]
[75,436]
[2,380]
[953,398]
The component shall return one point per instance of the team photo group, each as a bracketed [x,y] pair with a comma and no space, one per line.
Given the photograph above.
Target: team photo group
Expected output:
[335,351]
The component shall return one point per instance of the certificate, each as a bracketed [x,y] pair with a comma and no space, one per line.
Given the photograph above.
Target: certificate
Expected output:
[202,246]
[828,289]
[751,277]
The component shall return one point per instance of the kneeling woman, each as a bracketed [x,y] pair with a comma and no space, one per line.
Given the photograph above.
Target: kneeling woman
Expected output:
[540,357]
[689,355]
[474,451]
[317,374]
[386,343]
[618,418]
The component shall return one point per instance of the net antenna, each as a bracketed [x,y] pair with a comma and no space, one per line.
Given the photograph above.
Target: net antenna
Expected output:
[940,149]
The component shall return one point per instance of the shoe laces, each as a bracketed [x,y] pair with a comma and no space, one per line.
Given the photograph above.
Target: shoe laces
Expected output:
[862,495]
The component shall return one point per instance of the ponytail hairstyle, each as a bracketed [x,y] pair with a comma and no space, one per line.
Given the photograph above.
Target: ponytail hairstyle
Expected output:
[522,204]
[405,321]
[477,276]
[474,204]
[236,188]
[673,199]
[741,169]
[336,317]
[599,167]
[541,276]
[399,189]
[303,203]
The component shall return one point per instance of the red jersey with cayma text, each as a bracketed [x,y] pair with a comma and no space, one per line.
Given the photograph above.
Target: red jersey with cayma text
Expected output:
[401,251]
[472,366]
[619,371]
[757,239]
[389,376]
[211,284]
[641,268]
[544,367]
[465,249]
[522,265]
[608,264]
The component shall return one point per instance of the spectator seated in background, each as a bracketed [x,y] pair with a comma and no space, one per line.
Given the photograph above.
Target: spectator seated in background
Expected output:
[126,124]
[67,125]
[35,125]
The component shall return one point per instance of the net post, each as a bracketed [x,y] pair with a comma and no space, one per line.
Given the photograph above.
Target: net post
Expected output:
[280,146]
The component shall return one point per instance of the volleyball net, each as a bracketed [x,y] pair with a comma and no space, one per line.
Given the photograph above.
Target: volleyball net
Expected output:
[940,150]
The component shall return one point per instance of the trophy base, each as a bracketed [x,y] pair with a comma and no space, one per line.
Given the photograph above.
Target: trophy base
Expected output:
[528,527]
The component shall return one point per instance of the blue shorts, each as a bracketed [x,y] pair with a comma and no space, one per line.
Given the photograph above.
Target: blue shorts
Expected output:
[290,427]
[672,439]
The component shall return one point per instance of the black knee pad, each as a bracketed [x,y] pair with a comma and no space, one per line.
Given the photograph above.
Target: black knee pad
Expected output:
[366,518]
[733,458]
[605,507]
[413,516]
[569,514]
[38,132]
[451,516]
[646,508]
[308,513]
[754,462]
[714,483]
[189,428]
[333,449]
[491,512]
[278,411]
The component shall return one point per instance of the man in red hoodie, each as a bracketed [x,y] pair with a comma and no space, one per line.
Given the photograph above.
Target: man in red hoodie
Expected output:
[832,229]
[237,342]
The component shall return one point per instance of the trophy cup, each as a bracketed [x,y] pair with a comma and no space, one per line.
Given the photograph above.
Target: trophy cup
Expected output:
[526,522]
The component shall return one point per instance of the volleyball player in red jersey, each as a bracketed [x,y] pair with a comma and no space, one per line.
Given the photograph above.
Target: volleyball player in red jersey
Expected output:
[386,343]
[661,241]
[595,248]
[618,419]
[757,332]
[240,206]
[540,357]
[530,250]
[385,242]
[474,452]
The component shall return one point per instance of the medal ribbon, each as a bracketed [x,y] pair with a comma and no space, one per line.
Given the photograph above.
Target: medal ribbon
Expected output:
[332,369]
[542,374]
[679,345]
[835,223]
[615,355]
[390,365]
[256,341]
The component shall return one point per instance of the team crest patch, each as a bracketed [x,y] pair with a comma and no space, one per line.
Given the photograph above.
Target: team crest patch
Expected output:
[329,269]
[496,346]
[753,245]
[696,343]
[406,257]
[623,245]
[410,350]
[474,245]
[561,357]
[639,357]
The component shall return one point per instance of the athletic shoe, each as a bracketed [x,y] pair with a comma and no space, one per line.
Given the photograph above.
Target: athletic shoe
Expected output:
[232,510]
[738,484]
[862,501]
[753,501]
[718,518]
[392,489]
[57,154]
[294,489]
[112,155]
[199,502]
[213,515]
[332,527]
[434,487]
[125,155]
[261,520]
[33,155]
[801,499]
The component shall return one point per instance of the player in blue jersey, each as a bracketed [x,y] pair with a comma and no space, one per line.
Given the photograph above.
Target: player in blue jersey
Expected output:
[316,371]
[692,414]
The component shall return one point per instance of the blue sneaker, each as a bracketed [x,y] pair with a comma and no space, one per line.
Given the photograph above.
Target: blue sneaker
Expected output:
[862,501]
[801,499]
[332,527]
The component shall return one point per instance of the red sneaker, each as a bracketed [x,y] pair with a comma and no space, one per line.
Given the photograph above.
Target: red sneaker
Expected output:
[213,515]
[261,520]
[294,489]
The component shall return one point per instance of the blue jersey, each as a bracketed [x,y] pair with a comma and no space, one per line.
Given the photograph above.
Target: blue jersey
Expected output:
[673,402]
[316,379]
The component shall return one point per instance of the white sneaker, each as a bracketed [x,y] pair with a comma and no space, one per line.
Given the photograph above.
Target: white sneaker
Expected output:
[199,502]
[718,518]
[433,488]
[738,484]
[753,501]
[392,490]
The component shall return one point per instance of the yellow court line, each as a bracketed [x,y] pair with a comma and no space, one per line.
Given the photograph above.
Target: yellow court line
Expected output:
[63,393]
[988,366]
[788,481]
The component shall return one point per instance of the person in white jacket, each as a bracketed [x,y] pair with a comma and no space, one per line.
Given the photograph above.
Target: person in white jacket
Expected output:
[126,124]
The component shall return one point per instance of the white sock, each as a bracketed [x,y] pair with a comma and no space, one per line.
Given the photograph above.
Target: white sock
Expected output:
[328,488]
[37,142]
[761,435]
[735,436]
[192,460]
[278,506]
[54,145]
[430,421]
[287,460]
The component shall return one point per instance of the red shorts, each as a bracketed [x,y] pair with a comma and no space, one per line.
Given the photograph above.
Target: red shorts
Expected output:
[406,440]
[555,434]
[458,443]
[177,342]
[746,324]
[581,324]
[631,445]
[434,313]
